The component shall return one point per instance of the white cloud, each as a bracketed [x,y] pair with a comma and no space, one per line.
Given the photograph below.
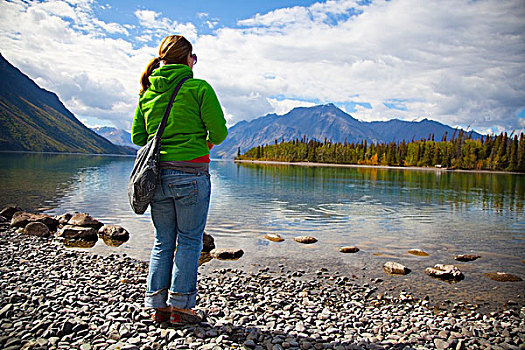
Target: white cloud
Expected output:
[158,26]
[286,105]
[457,61]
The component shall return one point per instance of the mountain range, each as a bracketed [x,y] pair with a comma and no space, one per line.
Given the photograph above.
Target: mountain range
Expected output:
[34,119]
[325,122]
[117,136]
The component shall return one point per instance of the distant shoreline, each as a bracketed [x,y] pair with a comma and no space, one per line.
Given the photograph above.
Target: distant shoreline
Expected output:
[308,164]
[71,153]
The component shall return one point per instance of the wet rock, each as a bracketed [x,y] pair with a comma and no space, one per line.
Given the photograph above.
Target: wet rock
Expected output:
[64,218]
[418,252]
[348,249]
[305,239]
[37,229]
[9,211]
[112,242]
[274,237]
[78,232]
[21,219]
[445,272]
[466,257]
[79,243]
[208,242]
[227,254]
[503,277]
[395,268]
[114,232]
[84,219]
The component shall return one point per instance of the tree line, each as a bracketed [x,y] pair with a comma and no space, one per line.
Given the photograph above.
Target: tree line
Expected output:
[491,152]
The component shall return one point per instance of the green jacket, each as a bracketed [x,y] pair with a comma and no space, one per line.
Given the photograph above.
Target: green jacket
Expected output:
[195,118]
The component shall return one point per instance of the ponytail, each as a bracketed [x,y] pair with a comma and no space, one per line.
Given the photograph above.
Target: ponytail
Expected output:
[144,79]
[174,49]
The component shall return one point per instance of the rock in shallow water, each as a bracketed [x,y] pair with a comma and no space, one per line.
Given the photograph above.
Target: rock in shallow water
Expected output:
[21,219]
[78,232]
[274,237]
[305,239]
[395,268]
[503,277]
[348,249]
[84,219]
[208,242]
[9,211]
[445,272]
[418,252]
[37,229]
[115,232]
[227,254]
[466,257]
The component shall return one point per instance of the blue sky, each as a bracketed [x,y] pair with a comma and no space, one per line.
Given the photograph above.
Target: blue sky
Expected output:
[459,62]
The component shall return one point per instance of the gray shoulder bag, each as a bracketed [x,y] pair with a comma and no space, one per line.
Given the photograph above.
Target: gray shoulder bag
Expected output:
[145,173]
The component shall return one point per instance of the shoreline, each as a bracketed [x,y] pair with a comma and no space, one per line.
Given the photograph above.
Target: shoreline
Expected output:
[308,164]
[80,300]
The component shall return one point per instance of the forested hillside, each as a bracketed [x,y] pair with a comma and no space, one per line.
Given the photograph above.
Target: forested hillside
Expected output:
[501,152]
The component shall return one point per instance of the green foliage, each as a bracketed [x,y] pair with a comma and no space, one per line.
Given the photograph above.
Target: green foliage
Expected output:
[491,152]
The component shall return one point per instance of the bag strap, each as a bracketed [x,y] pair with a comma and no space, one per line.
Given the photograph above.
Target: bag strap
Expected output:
[162,125]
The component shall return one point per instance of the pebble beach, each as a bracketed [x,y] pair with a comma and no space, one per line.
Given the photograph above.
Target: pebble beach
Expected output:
[57,298]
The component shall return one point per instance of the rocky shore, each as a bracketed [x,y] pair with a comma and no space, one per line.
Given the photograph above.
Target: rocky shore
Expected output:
[56,298]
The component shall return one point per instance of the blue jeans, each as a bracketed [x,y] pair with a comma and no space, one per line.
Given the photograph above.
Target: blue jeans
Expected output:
[179,211]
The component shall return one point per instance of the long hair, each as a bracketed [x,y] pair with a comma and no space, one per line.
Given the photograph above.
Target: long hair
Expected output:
[174,49]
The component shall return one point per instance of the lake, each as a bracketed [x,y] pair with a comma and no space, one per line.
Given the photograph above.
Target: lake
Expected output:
[384,212]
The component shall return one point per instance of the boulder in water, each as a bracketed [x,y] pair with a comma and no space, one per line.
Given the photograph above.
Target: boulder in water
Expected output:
[78,232]
[274,237]
[348,249]
[9,211]
[445,272]
[227,254]
[395,268]
[208,242]
[305,239]
[466,257]
[21,219]
[418,252]
[114,232]
[84,219]
[503,277]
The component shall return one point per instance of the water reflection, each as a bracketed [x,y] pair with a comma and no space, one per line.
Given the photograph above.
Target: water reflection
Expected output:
[382,211]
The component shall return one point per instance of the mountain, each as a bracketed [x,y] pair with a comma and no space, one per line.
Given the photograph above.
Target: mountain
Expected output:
[116,136]
[34,119]
[320,122]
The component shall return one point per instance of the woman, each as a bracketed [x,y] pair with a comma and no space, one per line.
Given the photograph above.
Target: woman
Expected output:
[180,206]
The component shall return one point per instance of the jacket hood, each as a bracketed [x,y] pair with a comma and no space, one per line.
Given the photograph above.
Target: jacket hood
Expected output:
[164,77]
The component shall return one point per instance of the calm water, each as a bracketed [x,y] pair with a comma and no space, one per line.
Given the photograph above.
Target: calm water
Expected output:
[384,212]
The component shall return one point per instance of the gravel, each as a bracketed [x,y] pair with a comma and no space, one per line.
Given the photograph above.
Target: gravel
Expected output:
[56,298]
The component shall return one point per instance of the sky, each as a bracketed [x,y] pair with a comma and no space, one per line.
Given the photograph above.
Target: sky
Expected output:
[460,62]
